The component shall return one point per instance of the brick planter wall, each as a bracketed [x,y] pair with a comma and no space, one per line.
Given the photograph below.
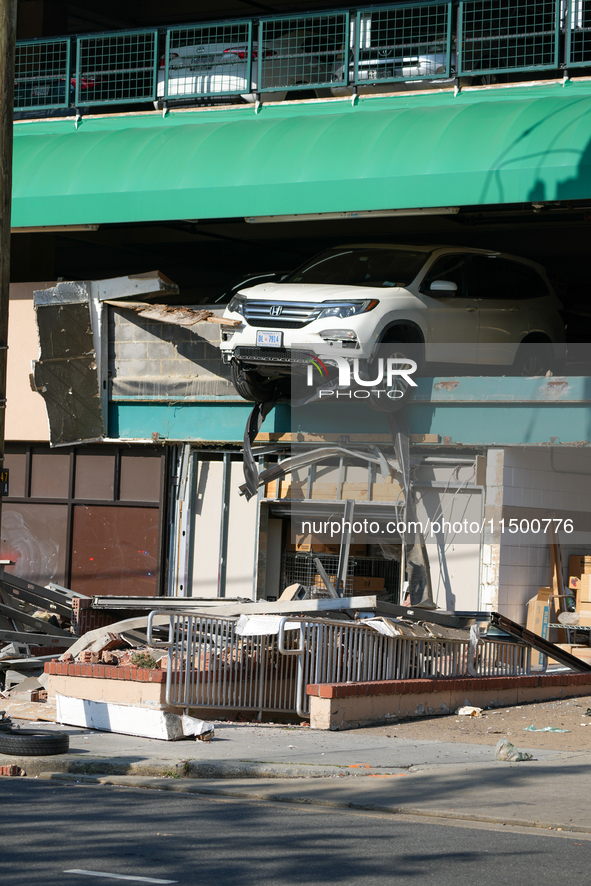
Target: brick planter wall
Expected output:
[443,684]
[348,705]
[105,672]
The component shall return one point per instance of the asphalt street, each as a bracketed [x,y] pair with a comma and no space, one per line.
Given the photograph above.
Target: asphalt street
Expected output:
[80,835]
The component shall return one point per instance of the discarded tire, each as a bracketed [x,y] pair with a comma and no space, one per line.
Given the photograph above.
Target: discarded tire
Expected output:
[31,743]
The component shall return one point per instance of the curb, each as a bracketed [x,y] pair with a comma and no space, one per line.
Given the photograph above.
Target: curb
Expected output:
[191,769]
[189,786]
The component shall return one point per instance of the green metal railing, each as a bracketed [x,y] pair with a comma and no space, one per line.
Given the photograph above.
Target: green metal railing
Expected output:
[207,60]
[506,36]
[116,68]
[302,51]
[403,42]
[42,74]
[430,40]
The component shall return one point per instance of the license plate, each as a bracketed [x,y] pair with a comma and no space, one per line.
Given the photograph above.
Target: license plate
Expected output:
[269,339]
[38,91]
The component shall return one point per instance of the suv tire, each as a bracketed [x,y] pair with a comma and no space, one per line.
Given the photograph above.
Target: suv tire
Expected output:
[249,384]
[535,359]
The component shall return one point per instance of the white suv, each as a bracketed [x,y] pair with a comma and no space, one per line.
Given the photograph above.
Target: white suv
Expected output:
[351,299]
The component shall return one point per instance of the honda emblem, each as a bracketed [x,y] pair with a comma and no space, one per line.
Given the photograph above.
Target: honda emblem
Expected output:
[276,310]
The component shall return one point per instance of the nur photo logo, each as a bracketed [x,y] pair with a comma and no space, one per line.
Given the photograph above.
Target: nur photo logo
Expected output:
[393,374]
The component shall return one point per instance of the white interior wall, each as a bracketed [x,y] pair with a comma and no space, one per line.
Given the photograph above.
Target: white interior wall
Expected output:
[454,561]
[242,530]
[558,485]
[206,540]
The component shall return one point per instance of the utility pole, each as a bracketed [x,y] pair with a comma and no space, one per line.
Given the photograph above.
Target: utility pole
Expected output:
[7,52]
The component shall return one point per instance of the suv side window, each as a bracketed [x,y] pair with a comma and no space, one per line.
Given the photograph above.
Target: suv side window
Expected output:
[528,283]
[448,267]
[491,278]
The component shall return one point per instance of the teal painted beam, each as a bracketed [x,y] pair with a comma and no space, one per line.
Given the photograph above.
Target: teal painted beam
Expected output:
[468,411]
[191,422]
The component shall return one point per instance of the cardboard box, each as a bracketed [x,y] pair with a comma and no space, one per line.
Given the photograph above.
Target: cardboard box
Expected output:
[582,652]
[375,585]
[544,594]
[578,566]
[539,610]
[582,605]
[583,589]
[585,619]
[361,583]
[314,543]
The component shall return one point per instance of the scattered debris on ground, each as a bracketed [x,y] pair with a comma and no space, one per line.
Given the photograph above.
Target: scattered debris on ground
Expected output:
[569,714]
[507,751]
[533,728]
[12,771]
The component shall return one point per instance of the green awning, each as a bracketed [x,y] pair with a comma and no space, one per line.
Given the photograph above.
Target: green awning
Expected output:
[484,147]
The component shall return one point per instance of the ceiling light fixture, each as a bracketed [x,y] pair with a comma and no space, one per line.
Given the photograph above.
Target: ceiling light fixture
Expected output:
[49,229]
[364,213]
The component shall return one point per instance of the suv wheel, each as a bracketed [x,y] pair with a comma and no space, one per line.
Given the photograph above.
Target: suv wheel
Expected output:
[249,384]
[535,358]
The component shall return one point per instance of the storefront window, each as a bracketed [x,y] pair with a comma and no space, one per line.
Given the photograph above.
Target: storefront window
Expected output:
[91,537]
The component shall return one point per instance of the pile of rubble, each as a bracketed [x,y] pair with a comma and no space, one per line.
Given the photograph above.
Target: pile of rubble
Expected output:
[114,649]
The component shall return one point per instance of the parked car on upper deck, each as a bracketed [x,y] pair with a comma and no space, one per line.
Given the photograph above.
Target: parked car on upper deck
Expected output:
[42,94]
[377,68]
[217,69]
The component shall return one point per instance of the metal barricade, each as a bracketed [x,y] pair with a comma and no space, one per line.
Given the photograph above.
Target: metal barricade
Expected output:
[498,37]
[210,666]
[115,68]
[42,74]
[207,60]
[403,43]
[302,52]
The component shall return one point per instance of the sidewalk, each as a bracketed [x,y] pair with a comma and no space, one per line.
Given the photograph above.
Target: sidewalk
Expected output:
[358,769]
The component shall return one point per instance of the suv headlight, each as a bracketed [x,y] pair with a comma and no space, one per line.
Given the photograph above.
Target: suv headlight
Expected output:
[343,309]
[236,305]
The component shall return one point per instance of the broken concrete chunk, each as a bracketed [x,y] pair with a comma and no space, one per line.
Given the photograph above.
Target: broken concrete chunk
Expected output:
[107,641]
[29,684]
[126,719]
[294,592]
[14,650]
[12,771]
[201,729]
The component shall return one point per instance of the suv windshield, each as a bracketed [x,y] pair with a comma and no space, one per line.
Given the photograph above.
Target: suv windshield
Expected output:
[361,267]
